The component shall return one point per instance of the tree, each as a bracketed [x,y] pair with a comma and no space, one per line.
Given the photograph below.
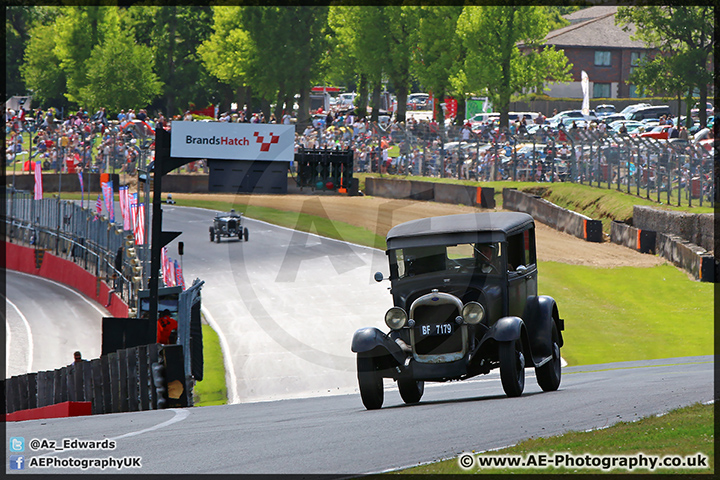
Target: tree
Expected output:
[494,61]
[435,56]
[685,31]
[77,33]
[40,70]
[173,33]
[119,72]
[401,23]
[273,50]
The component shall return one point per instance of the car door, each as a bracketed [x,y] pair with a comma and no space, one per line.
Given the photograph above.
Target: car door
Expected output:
[522,270]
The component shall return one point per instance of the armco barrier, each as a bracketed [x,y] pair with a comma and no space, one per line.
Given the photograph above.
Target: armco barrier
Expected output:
[550,214]
[23,259]
[428,191]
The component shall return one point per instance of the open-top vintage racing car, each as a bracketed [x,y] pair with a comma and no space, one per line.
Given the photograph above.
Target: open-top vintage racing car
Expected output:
[228,225]
[465,294]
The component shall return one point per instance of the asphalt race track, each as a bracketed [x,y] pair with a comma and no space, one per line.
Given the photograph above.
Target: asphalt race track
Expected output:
[46,322]
[336,435]
[286,305]
[286,302]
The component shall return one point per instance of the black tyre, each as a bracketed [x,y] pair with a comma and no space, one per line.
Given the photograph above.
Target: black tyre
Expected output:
[212,234]
[411,390]
[549,375]
[246,234]
[370,382]
[217,238]
[512,367]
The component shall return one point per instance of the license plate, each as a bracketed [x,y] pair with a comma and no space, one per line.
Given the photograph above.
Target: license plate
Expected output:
[435,330]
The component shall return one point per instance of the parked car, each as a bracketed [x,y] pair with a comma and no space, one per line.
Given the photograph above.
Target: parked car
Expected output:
[649,112]
[604,110]
[608,119]
[465,302]
[659,133]
[228,225]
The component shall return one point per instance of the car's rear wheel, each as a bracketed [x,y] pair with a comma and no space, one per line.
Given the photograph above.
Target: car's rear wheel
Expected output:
[512,367]
[246,234]
[411,390]
[549,375]
[212,234]
[370,382]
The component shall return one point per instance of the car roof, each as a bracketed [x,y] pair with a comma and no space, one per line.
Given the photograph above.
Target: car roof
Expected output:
[463,228]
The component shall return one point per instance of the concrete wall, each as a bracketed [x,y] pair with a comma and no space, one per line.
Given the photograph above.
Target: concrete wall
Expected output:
[429,191]
[692,227]
[688,256]
[550,214]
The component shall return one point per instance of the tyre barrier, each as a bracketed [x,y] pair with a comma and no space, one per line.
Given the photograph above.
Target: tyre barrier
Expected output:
[559,218]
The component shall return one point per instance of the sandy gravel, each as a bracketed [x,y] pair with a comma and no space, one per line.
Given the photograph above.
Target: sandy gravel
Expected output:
[380,214]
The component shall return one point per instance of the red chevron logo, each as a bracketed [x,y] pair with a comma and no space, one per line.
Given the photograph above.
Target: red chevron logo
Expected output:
[265,146]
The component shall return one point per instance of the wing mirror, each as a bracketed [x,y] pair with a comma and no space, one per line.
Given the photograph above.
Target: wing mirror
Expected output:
[379,277]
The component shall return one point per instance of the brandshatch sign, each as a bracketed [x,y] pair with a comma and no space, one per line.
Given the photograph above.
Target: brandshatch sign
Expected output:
[233,141]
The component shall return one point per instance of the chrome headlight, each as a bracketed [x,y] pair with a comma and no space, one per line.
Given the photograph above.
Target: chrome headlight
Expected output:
[473,313]
[396,318]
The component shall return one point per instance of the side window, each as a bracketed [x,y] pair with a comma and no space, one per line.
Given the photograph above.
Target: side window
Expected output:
[529,246]
[516,251]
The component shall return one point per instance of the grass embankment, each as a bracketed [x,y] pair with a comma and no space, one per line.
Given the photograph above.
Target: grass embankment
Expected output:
[597,203]
[683,432]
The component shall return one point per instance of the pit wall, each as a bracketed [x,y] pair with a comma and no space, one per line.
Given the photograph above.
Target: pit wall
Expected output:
[428,191]
[22,259]
[550,214]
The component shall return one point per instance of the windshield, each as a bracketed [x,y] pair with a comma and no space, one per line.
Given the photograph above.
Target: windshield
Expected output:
[485,258]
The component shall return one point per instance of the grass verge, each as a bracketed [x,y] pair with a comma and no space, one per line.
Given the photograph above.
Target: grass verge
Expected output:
[684,432]
[211,390]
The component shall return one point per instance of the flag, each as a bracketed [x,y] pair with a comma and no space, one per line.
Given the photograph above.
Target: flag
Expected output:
[125,207]
[98,207]
[108,194]
[585,83]
[82,187]
[171,274]
[133,211]
[179,280]
[139,231]
[38,181]
[165,265]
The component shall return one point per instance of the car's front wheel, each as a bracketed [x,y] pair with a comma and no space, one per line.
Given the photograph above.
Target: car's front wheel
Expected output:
[212,234]
[217,237]
[411,390]
[370,381]
[548,376]
[512,367]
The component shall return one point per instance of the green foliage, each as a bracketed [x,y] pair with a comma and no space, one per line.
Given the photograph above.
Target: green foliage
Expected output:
[40,70]
[119,74]
[437,48]
[685,35]
[491,36]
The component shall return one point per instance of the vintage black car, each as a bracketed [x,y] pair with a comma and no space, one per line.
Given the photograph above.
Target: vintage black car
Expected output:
[228,225]
[465,294]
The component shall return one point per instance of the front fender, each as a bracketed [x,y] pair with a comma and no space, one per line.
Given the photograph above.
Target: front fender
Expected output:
[368,339]
[506,329]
